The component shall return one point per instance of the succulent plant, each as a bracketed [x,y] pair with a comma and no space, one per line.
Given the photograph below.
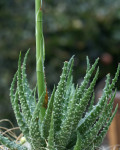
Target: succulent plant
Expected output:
[68,120]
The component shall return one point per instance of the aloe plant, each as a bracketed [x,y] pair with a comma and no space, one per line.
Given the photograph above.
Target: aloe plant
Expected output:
[68,120]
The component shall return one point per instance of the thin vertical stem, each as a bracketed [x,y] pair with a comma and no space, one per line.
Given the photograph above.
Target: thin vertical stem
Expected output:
[39,51]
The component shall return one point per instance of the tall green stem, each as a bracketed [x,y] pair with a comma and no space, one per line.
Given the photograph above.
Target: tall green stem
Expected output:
[40,54]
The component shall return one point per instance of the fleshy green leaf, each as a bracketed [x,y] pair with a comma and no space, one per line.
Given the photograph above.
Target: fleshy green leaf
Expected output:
[15,105]
[21,92]
[51,141]
[85,82]
[20,119]
[47,118]
[90,117]
[27,91]
[69,89]
[91,134]
[59,98]
[78,143]
[35,133]
[10,144]
[91,103]
[115,78]
[81,107]
[74,115]
[100,137]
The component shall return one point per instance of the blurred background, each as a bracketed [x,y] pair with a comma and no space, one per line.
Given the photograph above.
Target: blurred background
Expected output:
[71,27]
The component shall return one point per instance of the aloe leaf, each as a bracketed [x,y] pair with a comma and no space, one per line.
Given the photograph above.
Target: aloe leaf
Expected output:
[34,91]
[93,132]
[114,80]
[47,119]
[59,98]
[20,119]
[12,95]
[70,66]
[68,100]
[14,101]
[78,143]
[69,89]
[63,135]
[86,80]
[51,141]
[81,107]
[74,115]
[10,144]
[86,122]
[101,136]
[91,105]
[37,141]
[24,106]
[27,91]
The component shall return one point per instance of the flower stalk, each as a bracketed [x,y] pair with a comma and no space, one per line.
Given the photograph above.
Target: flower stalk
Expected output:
[40,53]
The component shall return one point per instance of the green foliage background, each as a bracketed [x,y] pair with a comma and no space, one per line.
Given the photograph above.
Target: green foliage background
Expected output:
[79,27]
